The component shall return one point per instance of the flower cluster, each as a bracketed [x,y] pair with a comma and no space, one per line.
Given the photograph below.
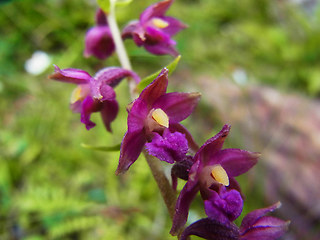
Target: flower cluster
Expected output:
[154,125]
[94,94]
[153,31]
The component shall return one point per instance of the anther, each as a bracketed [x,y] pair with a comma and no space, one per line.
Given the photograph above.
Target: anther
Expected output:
[160,117]
[220,175]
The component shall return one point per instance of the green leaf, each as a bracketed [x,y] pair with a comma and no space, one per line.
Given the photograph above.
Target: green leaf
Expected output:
[123,3]
[146,81]
[104,5]
[114,148]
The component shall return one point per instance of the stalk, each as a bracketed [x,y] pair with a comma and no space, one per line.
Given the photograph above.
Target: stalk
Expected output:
[167,193]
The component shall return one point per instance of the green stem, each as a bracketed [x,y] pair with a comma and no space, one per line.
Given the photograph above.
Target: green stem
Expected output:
[120,49]
[167,193]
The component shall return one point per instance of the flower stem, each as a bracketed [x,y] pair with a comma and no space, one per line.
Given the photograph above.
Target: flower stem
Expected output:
[120,49]
[167,193]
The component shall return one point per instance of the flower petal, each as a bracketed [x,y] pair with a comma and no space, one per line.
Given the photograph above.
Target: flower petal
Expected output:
[109,112]
[170,147]
[174,26]
[113,75]
[268,228]
[177,127]
[129,29]
[70,75]
[99,42]
[89,106]
[156,36]
[155,89]
[137,115]
[252,217]
[211,229]
[101,18]
[155,10]
[162,49]
[131,147]
[212,146]
[236,161]
[178,106]
[224,206]
[185,198]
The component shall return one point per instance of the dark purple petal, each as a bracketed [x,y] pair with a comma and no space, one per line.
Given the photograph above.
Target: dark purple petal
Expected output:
[158,42]
[101,18]
[162,49]
[252,217]
[211,230]
[70,75]
[155,10]
[170,147]
[178,106]
[184,200]
[88,106]
[267,228]
[212,146]
[99,42]
[235,161]
[113,75]
[177,127]
[155,89]
[107,93]
[131,147]
[129,29]
[109,112]
[224,206]
[137,115]
[174,26]
[156,36]
[101,92]
[139,36]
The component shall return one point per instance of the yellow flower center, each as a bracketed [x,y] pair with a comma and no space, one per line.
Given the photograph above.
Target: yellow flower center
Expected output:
[220,175]
[160,117]
[77,94]
[159,23]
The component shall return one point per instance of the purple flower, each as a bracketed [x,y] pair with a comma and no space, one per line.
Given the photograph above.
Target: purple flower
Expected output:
[98,40]
[170,147]
[154,30]
[254,226]
[225,206]
[150,115]
[212,169]
[94,94]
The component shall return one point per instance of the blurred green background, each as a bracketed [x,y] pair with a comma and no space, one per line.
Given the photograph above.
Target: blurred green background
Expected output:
[52,188]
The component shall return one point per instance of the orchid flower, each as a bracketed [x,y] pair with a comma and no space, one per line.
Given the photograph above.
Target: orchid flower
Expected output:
[154,30]
[150,117]
[94,94]
[213,167]
[98,40]
[254,226]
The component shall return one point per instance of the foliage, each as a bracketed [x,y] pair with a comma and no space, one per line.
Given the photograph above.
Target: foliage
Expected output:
[51,187]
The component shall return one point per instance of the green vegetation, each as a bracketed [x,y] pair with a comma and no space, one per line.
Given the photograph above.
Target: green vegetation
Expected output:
[50,186]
